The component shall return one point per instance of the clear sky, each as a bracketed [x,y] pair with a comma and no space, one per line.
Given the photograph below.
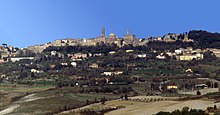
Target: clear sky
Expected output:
[30,22]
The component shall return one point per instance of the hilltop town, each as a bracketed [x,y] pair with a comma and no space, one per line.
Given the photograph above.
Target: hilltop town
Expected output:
[128,39]
[182,65]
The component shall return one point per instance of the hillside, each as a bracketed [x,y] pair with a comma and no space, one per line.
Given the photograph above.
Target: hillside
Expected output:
[204,39]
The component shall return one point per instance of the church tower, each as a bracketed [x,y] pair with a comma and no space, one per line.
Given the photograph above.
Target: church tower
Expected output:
[103,32]
[103,35]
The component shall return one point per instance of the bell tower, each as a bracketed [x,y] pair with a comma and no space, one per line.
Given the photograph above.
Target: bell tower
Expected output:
[103,32]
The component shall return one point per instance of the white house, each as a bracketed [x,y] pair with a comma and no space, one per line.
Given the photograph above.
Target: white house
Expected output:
[98,54]
[189,70]
[179,51]
[108,73]
[112,52]
[113,73]
[142,55]
[172,86]
[53,53]
[36,71]
[94,65]
[64,64]
[74,64]
[161,57]
[79,55]
[21,58]
[118,72]
[127,51]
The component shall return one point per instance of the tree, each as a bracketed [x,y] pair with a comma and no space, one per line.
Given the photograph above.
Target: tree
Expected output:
[126,97]
[95,100]
[198,92]
[23,74]
[122,97]
[163,113]
[208,83]
[33,75]
[4,45]
[215,85]
[215,107]
[87,102]
[103,100]
[185,109]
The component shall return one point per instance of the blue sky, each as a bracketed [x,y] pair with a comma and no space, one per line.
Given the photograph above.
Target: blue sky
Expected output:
[30,22]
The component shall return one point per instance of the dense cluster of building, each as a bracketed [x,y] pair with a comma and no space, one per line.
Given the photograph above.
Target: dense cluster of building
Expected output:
[187,54]
[111,39]
[128,39]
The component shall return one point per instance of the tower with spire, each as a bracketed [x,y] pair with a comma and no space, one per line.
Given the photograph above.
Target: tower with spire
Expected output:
[129,37]
[103,32]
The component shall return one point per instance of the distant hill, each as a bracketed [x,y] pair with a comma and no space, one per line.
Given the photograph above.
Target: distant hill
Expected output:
[204,39]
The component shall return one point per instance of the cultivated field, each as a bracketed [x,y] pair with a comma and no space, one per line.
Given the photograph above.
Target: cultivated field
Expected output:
[10,93]
[43,102]
[145,105]
[41,99]
[203,91]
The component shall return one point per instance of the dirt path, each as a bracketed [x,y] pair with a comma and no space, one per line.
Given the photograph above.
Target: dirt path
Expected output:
[9,109]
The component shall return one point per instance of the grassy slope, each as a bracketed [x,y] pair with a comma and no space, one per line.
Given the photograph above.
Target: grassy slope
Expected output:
[58,98]
[10,93]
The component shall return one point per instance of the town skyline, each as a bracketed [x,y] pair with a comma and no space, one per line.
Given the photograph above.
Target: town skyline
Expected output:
[106,36]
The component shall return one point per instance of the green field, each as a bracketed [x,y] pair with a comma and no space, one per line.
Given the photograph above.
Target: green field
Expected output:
[9,93]
[153,72]
[24,88]
[57,100]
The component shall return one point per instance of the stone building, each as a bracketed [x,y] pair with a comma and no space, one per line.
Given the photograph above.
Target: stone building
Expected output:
[129,38]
